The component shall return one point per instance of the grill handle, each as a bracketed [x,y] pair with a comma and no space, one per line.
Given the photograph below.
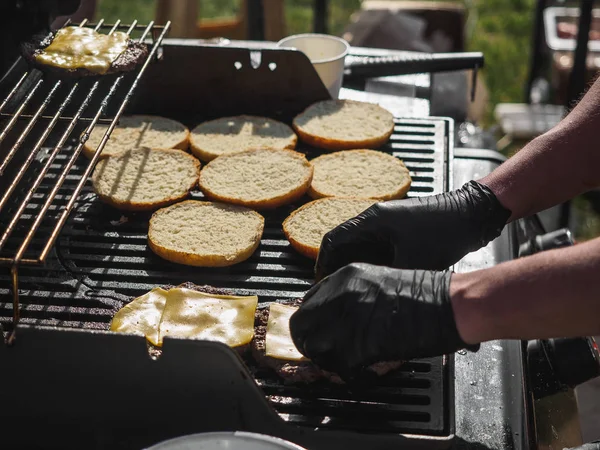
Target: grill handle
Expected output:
[361,67]
[555,239]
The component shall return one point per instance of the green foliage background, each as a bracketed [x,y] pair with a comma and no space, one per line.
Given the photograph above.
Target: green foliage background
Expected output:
[499,28]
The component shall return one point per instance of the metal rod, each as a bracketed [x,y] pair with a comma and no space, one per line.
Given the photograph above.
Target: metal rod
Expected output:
[15,116]
[62,118]
[14,272]
[31,123]
[28,128]
[132,25]
[36,148]
[256,20]
[320,16]
[44,170]
[13,91]
[96,156]
[4,261]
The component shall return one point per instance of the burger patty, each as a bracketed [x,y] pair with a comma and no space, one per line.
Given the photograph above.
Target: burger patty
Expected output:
[205,288]
[135,54]
[300,371]
[289,371]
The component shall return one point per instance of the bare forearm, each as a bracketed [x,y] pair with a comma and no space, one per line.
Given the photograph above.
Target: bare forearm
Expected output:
[554,167]
[551,294]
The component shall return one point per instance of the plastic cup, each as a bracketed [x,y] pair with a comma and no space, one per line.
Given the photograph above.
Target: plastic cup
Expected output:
[326,53]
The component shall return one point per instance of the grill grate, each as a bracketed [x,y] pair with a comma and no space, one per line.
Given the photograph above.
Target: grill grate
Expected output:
[33,227]
[102,260]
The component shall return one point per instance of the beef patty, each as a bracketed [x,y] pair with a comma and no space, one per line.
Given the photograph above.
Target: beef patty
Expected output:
[135,53]
[300,371]
[289,371]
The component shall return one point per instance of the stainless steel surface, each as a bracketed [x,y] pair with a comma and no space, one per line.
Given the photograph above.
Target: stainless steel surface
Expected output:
[479,413]
[490,385]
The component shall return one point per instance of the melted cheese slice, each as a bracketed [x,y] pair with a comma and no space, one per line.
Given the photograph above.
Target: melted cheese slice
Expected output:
[142,315]
[83,48]
[196,315]
[279,342]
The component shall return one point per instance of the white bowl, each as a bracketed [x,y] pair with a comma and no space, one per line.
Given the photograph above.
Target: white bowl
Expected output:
[326,53]
[237,440]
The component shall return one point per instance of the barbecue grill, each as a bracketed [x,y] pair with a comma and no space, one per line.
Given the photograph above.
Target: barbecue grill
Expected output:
[75,383]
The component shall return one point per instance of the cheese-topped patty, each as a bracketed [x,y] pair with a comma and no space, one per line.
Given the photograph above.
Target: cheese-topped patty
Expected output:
[185,313]
[279,343]
[80,47]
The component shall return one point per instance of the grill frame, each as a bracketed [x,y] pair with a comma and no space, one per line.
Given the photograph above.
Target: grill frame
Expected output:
[73,303]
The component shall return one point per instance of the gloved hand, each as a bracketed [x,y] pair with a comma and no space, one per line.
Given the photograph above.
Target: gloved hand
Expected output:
[364,314]
[419,233]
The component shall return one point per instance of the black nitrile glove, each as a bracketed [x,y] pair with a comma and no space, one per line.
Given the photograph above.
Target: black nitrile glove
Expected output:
[364,314]
[418,233]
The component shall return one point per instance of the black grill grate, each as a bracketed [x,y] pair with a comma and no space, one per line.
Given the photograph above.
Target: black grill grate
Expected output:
[102,261]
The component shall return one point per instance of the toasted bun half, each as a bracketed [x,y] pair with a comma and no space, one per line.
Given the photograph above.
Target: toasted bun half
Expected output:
[144,179]
[205,234]
[344,124]
[138,131]
[306,226]
[233,134]
[259,178]
[359,174]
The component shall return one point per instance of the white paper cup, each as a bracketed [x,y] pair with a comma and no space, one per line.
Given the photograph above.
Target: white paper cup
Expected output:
[326,53]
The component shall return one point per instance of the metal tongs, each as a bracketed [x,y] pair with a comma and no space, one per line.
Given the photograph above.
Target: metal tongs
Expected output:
[358,68]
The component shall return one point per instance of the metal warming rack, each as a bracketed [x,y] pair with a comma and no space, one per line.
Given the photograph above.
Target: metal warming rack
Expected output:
[38,232]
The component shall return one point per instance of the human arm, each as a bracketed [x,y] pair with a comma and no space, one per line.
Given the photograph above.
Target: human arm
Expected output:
[363,313]
[555,293]
[555,166]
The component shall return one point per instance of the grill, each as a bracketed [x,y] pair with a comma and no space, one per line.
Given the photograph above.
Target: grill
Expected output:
[101,260]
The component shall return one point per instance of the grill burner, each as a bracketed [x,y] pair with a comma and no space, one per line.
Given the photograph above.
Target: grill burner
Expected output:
[102,261]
